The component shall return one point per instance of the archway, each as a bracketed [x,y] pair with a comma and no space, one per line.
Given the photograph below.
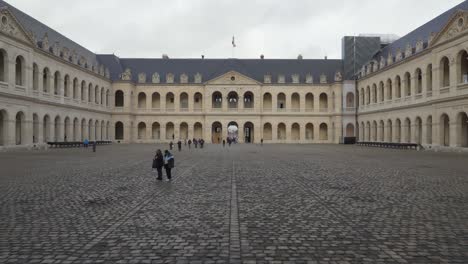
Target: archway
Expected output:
[429,130]
[170,102]
[267,102]
[248,100]
[156,101]
[323,131]
[281,99]
[444,71]
[296,132]
[57,129]
[418,130]
[119,131]
[309,102]
[198,102]
[295,102]
[46,128]
[463,130]
[83,129]
[309,131]
[398,131]
[444,130]
[76,129]
[198,130]
[216,132]
[35,128]
[142,100]
[381,131]
[3,126]
[119,98]
[267,132]
[281,131]
[233,131]
[141,130]
[66,129]
[350,100]
[156,131]
[184,101]
[389,131]
[249,132]
[183,131]
[323,102]
[233,99]
[170,131]
[20,128]
[217,100]
[349,130]
[462,65]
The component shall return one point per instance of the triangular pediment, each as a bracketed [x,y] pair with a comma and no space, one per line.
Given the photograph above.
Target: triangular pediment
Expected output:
[232,77]
[456,25]
[10,26]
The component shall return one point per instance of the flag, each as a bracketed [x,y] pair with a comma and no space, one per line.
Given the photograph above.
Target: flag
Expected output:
[233,42]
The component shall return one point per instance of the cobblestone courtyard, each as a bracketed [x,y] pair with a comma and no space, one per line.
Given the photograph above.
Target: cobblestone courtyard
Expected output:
[246,204]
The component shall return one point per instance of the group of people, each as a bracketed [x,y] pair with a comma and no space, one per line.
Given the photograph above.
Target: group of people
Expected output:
[196,143]
[160,161]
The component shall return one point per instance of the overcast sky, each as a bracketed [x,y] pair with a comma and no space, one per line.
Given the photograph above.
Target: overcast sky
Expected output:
[190,28]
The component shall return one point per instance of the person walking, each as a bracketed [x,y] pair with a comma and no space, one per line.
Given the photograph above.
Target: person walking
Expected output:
[261,142]
[224,142]
[179,145]
[158,163]
[189,143]
[195,142]
[168,164]
[171,145]
[202,142]
[85,143]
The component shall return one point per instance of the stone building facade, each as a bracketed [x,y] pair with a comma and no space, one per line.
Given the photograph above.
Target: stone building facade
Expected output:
[52,89]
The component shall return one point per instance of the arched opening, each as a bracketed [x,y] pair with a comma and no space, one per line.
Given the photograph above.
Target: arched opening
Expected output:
[374,131]
[350,100]
[91,130]
[107,130]
[267,102]
[119,98]
[156,131]
[107,97]
[90,93]
[75,88]
[119,131]
[368,131]
[102,135]
[267,131]
[407,78]
[96,94]
[57,83]
[249,132]
[398,87]
[67,129]
[367,96]
[419,80]
[184,101]
[46,128]
[83,130]
[76,129]
[296,132]
[444,130]
[398,131]
[249,100]
[309,102]
[407,126]
[309,131]
[156,101]
[57,129]
[19,71]
[429,130]
[233,99]
[444,70]
[103,96]
[3,66]
[198,102]
[217,100]
[389,90]
[142,100]
[323,131]
[216,132]
[381,92]
[35,128]
[233,131]
[281,131]
[141,130]
[183,131]
[429,78]
[295,102]
[362,132]
[418,130]
[198,130]
[170,131]
[389,131]
[350,130]
[323,102]
[66,86]
[46,80]
[20,128]
[462,62]
[281,99]
[463,130]
[381,131]
[83,92]
[374,93]
[35,77]
[170,102]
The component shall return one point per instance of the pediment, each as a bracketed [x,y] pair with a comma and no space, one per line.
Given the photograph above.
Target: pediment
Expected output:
[10,26]
[456,25]
[233,77]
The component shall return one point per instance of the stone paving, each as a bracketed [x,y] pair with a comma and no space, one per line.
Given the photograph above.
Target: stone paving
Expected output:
[244,204]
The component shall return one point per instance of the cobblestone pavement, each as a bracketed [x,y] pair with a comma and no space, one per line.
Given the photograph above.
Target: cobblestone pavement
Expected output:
[244,204]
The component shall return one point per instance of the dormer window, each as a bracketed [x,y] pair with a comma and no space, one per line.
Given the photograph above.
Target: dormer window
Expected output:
[170,78]
[295,78]
[183,78]
[309,78]
[267,78]
[198,78]
[281,79]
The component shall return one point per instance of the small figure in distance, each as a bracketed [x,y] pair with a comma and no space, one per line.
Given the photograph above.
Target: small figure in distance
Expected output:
[224,142]
[85,143]
[261,142]
[94,145]
[158,163]
[179,145]
[171,145]
[168,164]
[202,142]
[195,142]
[189,143]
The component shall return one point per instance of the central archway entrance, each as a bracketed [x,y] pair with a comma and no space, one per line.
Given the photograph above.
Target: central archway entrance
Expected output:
[216,132]
[233,131]
[248,132]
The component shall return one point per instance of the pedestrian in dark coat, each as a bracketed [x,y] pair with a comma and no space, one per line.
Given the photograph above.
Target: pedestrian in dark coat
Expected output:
[171,145]
[202,142]
[158,163]
[224,143]
[189,143]
[168,164]
[179,145]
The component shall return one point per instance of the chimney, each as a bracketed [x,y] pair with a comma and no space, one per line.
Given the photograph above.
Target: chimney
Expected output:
[326,58]
[262,56]
[203,57]
[299,57]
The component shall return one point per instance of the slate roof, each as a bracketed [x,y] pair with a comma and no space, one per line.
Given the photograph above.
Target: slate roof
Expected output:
[212,68]
[423,32]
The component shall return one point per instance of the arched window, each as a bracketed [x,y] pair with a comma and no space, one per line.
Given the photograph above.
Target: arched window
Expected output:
[156,131]
[444,70]
[119,98]
[35,77]
[462,62]
[248,100]
[281,98]
[217,100]
[398,87]
[267,132]
[281,133]
[429,78]
[444,130]
[309,131]
[142,100]
[3,66]
[374,93]
[156,101]
[19,71]
[295,132]
[267,102]
[170,102]
[46,80]
[184,101]
[407,91]
[56,83]
[350,100]
[119,131]
[309,102]
[66,86]
[323,102]
[96,94]
[90,93]
[198,102]
[368,97]
[233,100]
[418,75]
[141,130]
[295,102]
[20,128]
[389,90]
[381,92]
[323,131]
[83,91]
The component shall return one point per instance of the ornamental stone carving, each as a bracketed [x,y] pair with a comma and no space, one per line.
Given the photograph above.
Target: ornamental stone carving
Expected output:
[56,49]
[323,78]
[45,42]
[65,53]
[295,78]
[7,26]
[198,78]
[399,55]
[169,78]
[375,66]
[338,77]
[74,57]
[419,45]
[281,79]
[267,78]
[389,59]
[309,78]
[142,77]
[408,50]
[183,78]
[155,78]
[126,75]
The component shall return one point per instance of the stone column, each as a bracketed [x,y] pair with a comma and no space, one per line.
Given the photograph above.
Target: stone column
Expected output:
[288,107]
[274,102]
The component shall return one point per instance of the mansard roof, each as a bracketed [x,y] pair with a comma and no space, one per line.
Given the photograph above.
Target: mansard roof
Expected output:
[212,68]
[421,33]
[39,29]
